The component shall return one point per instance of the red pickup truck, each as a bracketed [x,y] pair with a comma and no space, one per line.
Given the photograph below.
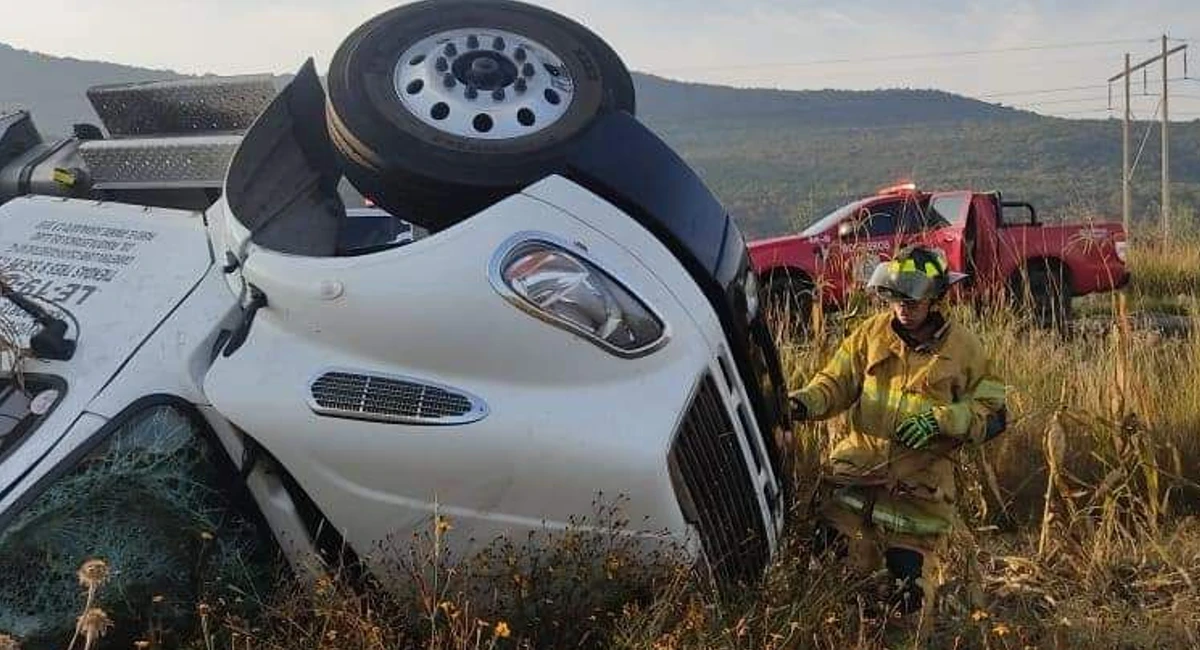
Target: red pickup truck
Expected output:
[1006,251]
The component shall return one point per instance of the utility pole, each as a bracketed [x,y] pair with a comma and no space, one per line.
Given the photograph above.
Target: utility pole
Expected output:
[1126,206]
[1166,153]
[1166,148]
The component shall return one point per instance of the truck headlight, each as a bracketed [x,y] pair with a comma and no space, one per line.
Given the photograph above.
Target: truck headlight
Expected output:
[568,291]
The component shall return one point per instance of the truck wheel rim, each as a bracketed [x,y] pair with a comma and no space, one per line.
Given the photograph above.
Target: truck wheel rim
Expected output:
[485,84]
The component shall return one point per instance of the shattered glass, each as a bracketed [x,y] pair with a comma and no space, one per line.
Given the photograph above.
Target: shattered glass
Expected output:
[159,503]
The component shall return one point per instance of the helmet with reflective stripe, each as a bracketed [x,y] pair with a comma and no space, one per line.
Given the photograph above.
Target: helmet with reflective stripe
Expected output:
[916,273]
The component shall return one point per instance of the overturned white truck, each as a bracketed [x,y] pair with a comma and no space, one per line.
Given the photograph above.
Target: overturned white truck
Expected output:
[205,354]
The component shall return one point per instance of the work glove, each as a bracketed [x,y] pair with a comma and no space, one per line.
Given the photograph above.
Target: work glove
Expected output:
[799,410]
[915,431]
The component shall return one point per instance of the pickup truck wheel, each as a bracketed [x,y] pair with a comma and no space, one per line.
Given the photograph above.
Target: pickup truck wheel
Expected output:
[1048,298]
[442,107]
[789,303]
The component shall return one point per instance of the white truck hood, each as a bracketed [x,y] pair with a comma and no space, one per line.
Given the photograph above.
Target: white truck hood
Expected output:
[116,270]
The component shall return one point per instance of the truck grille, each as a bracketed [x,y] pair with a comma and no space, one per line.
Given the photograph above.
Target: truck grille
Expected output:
[719,497]
[390,399]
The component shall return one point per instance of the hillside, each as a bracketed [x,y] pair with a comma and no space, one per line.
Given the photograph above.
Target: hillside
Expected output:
[778,159]
[664,99]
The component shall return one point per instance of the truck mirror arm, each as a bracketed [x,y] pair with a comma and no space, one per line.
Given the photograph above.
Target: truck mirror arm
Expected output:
[50,342]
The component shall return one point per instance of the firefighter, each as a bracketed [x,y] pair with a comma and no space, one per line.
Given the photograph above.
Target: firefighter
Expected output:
[916,386]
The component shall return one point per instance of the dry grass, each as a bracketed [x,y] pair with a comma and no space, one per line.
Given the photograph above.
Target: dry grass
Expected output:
[1094,541]
[1166,269]
[1166,276]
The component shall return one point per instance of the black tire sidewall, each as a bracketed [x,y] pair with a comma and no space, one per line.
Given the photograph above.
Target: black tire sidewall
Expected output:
[362,93]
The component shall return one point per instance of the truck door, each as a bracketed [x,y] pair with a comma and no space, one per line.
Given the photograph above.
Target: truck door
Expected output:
[946,226]
[874,234]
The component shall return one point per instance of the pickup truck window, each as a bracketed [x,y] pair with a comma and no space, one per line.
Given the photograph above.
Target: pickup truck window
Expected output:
[830,221]
[880,220]
[875,219]
[159,504]
[23,405]
[949,208]
[891,217]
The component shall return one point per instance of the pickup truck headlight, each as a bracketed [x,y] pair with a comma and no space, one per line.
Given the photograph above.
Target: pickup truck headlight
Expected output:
[567,290]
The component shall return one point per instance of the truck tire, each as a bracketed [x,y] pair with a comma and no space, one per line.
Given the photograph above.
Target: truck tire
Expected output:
[1048,298]
[442,107]
[789,303]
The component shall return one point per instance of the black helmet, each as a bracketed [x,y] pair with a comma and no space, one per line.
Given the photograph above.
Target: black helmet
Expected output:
[916,273]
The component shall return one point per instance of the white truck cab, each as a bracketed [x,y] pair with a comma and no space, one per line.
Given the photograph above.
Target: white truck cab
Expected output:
[580,319]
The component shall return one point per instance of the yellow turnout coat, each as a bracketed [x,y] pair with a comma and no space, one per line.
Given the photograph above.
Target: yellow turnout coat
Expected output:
[879,380]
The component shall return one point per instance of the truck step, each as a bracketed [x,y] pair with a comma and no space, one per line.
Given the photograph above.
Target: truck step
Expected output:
[184,106]
[159,163]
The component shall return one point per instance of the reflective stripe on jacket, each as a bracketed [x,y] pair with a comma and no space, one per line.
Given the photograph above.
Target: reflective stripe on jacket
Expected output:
[878,380]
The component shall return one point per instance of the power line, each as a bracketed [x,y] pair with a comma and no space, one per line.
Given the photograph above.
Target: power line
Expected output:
[1063,101]
[914,55]
[1049,91]
[1041,91]
[1086,111]
[826,78]
[1162,110]
[1141,147]
[1085,99]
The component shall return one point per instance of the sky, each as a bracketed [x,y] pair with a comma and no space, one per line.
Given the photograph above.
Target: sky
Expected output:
[1046,56]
